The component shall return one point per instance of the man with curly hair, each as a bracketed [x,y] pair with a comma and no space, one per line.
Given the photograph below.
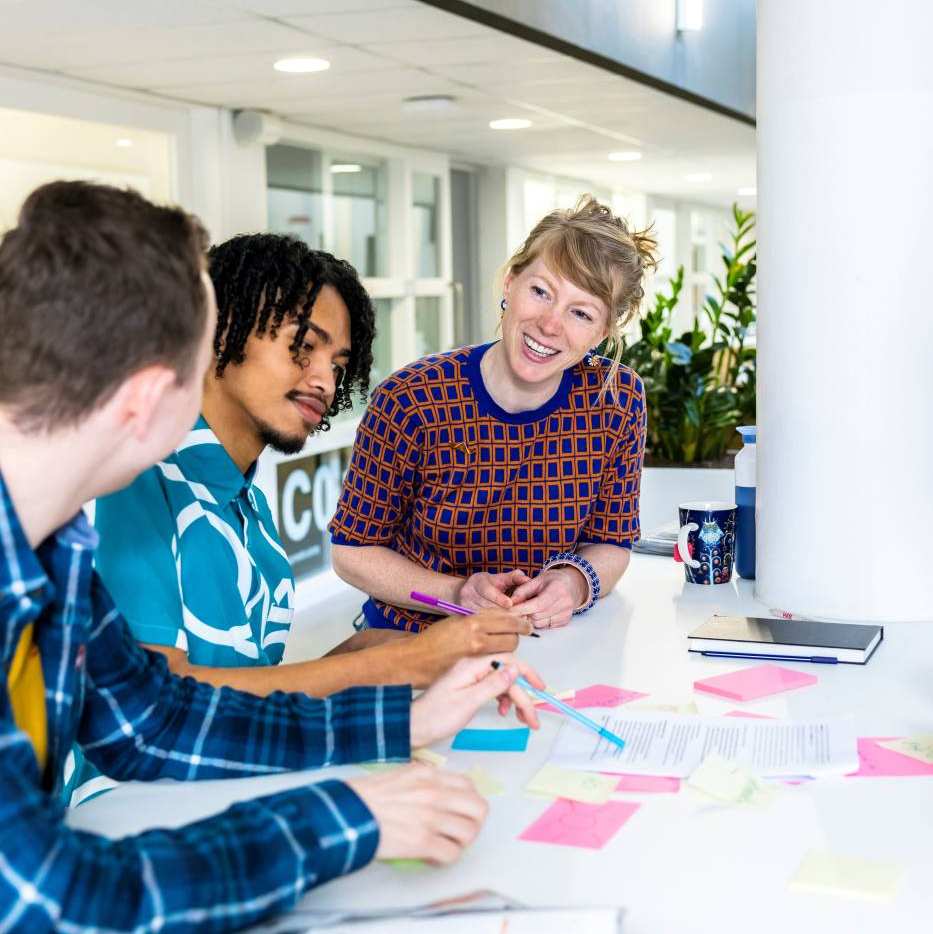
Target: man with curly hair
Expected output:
[190,551]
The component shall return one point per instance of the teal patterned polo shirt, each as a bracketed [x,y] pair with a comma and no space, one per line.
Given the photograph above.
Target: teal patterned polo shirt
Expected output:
[191,556]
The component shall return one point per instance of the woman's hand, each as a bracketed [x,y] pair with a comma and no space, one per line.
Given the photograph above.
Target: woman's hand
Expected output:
[452,701]
[482,591]
[550,599]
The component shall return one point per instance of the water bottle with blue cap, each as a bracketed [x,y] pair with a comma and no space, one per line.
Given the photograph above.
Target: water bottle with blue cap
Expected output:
[746,473]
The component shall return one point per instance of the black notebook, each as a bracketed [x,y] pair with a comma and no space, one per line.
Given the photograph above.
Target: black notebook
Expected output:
[786,639]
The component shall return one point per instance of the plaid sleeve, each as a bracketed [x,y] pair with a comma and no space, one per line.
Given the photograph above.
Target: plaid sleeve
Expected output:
[220,874]
[614,520]
[141,722]
[383,471]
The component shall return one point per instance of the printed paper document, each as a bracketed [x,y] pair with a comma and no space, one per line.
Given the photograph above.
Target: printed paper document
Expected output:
[675,746]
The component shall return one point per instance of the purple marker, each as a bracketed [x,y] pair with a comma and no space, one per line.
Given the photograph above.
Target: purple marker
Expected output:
[455,608]
[428,600]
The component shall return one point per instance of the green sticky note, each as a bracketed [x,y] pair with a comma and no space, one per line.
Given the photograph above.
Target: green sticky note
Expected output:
[729,783]
[918,747]
[486,784]
[846,876]
[379,766]
[406,865]
[589,787]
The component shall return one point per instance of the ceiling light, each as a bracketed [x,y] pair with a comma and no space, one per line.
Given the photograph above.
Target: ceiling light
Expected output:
[123,142]
[345,168]
[301,66]
[699,177]
[689,15]
[747,192]
[629,155]
[428,103]
[510,123]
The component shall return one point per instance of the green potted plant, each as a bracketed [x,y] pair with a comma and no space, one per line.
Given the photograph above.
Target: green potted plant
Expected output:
[700,384]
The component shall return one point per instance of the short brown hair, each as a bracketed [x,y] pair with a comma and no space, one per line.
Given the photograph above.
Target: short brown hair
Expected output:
[95,283]
[597,252]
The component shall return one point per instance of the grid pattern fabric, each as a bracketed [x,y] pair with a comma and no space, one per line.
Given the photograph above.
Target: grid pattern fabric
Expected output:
[447,478]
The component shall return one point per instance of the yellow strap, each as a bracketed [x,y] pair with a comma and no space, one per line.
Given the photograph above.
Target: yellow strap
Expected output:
[26,688]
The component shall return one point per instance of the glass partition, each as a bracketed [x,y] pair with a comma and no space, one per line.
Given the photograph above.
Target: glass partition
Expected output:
[425,201]
[294,193]
[427,325]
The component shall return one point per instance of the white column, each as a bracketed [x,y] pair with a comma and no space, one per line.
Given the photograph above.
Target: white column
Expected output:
[845,335]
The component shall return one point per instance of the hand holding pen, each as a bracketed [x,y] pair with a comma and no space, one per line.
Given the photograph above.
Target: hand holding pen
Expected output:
[506,624]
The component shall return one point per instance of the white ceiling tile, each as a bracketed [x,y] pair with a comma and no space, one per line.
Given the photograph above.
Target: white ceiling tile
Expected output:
[42,18]
[316,7]
[501,74]
[495,48]
[256,67]
[322,85]
[423,23]
[140,44]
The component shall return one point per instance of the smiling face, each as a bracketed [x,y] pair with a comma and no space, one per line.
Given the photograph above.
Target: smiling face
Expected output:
[549,324]
[281,401]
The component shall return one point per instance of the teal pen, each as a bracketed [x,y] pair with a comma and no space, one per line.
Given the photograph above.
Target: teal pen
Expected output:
[565,709]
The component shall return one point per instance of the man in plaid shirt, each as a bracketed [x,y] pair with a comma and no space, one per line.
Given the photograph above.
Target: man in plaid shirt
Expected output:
[106,317]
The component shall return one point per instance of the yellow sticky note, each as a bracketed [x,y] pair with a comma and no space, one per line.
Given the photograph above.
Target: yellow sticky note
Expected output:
[486,784]
[848,876]
[917,747]
[589,787]
[729,783]
[428,756]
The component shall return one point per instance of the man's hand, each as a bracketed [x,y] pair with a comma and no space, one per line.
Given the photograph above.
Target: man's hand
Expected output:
[422,812]
[481,591]
[549,600]
[455,637]
[451,702]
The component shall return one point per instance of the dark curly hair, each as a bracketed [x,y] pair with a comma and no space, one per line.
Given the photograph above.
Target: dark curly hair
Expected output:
[262,279]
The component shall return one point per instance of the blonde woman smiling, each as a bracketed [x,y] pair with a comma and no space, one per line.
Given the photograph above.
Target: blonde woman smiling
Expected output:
[508,474]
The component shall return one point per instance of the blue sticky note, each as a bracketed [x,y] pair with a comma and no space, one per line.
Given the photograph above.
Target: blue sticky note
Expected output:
[492,740]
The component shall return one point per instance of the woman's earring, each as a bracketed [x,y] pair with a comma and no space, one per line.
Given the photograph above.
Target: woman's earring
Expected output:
[503,305]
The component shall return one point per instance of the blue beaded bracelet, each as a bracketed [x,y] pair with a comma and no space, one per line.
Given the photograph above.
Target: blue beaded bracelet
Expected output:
[589,572]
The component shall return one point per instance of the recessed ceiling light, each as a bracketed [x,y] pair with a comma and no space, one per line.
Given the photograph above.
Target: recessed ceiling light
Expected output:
[629,155]
[301,66]
[345,168]
[747,192]
[428,103]
[123,142]
[699,177]
[510,123]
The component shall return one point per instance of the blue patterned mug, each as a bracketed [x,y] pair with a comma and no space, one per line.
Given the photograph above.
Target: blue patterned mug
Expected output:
[706,541]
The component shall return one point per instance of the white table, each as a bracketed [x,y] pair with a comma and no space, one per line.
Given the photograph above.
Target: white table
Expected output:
[676,866]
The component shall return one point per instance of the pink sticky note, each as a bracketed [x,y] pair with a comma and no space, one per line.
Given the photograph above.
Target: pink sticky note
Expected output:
[598,695]
[752,683]
[877,762]
[573,823]
[648,784]
[749,714]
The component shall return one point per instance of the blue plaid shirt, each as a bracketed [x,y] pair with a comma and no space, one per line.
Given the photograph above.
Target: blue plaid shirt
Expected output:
[137,721]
